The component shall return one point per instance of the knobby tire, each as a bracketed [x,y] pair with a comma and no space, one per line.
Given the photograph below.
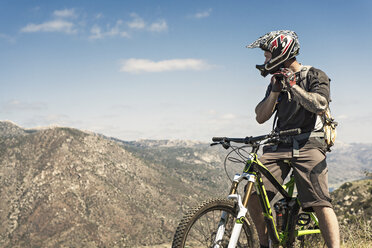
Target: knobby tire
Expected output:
[199,226]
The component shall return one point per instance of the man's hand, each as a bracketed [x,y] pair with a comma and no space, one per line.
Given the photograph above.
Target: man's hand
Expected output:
[277,82]
[289,77]
[283,77]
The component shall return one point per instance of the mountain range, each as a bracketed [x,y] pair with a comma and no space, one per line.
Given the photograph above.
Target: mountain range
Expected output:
[63,187]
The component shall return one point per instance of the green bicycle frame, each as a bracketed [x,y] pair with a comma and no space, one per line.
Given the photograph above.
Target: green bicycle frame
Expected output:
[288,235]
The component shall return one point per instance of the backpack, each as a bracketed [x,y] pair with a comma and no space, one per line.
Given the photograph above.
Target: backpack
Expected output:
[329,126]
[329,123]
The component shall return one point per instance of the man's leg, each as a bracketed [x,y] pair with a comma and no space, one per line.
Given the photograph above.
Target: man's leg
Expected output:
[255,212]
[274,163]
[311,176]
[328,224]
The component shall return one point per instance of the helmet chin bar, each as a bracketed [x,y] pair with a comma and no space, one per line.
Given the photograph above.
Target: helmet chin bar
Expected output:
[265,72]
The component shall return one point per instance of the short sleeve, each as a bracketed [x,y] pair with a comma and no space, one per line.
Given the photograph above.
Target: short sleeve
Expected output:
[319,83]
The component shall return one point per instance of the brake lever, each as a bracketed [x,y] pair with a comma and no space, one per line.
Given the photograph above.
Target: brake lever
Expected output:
[224,144]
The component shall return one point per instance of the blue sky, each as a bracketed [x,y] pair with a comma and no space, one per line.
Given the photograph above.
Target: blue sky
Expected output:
[173,69]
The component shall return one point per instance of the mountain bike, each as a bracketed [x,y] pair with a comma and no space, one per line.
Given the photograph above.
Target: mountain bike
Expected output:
[222,223]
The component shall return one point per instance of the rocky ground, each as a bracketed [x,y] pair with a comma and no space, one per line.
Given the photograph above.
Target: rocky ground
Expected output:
[353,200]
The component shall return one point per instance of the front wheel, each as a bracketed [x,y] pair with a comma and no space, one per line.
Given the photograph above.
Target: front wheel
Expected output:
[199,226]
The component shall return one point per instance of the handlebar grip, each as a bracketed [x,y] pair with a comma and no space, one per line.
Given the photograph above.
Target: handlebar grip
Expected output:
[218,139]
[290,132]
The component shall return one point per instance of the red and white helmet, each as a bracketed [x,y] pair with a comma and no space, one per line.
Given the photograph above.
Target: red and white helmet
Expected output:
[283,45]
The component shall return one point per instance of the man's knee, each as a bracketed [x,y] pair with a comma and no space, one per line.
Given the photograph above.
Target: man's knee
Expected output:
[325,213]
[322,209]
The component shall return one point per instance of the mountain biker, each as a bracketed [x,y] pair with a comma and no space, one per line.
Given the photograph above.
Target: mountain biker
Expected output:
[297,102]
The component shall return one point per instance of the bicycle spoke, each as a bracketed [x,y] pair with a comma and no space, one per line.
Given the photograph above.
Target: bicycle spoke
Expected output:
[202,238]
[203,235]
[201,228]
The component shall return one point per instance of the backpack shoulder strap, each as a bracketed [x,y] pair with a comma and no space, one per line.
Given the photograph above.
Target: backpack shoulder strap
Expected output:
[303,74]
[304,70]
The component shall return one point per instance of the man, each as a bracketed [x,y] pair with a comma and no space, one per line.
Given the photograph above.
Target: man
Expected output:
[297,95]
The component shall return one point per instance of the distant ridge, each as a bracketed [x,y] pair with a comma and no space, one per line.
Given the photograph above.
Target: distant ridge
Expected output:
[9,128]
[63,187]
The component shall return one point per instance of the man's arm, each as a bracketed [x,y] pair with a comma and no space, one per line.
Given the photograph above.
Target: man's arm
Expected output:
[265,109]
[311,101]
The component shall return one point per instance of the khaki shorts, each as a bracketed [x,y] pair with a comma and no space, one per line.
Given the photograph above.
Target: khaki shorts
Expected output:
[310,172]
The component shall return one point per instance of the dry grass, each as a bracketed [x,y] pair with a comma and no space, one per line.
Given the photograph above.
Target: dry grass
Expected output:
[156,246]
[356,232]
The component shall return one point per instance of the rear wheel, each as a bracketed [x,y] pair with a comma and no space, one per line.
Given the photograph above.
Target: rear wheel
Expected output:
[199,226]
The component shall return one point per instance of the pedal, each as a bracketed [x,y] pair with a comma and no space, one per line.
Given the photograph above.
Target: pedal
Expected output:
[303,219]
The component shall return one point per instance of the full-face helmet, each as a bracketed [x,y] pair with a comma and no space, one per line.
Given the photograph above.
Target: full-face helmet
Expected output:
[283,45]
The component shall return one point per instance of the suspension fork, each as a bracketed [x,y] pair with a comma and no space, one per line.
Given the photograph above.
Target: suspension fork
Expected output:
[242,210]
[242,207]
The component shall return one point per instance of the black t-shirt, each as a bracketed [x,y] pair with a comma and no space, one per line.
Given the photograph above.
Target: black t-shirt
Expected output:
[290,114]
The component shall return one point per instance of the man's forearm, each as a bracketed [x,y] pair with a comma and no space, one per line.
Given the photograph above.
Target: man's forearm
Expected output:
[265,109]
[311,101]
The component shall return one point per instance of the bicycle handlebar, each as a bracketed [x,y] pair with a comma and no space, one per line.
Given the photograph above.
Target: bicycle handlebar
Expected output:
[249,140]
[245,140]
[290,132]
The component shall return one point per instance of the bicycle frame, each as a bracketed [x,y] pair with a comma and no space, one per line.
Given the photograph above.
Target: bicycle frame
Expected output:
[252,174]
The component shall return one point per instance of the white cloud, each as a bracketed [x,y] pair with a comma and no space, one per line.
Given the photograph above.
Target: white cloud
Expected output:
[62,23]
[159,26]
[65,13]
[58,24]
[137,22]
[145,65]
[97,33]
[51,26]
[202,14]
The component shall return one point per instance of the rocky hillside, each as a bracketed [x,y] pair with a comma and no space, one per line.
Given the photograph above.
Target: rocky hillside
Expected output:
[353,200]
[61,187]
[353,207]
